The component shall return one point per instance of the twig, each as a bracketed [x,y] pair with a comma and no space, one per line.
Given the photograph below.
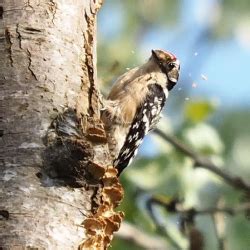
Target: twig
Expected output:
[228,210]
[218,223]
[159,226]
[202,162]
[187,217]
[174,207]
[130,233]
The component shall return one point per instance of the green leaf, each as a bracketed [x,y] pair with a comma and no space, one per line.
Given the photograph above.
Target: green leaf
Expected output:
[198,111]
[204,138]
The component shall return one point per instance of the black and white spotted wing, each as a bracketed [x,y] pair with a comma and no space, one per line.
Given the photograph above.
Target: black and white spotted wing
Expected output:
[146,117]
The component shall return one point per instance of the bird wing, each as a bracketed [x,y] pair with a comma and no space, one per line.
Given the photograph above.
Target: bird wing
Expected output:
[146,117]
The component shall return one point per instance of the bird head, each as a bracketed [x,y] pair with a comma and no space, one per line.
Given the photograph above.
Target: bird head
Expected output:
[168,64]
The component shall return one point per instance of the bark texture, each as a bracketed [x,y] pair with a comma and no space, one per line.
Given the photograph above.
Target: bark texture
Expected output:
[57,191]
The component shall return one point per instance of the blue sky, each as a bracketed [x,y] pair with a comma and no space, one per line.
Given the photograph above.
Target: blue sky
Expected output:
[227,71]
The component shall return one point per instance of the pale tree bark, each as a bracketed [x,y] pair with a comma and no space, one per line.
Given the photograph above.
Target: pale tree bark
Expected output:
[57,189]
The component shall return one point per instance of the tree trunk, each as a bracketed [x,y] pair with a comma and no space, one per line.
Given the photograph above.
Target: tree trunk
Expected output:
[57,191]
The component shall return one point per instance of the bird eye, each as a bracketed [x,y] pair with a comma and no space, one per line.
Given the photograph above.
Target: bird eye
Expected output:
[171,65]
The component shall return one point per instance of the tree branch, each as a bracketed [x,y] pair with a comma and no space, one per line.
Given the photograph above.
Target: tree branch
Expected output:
[202,162]
[187,219]
[219,229]
[162,230]
[173,206]
[130,233]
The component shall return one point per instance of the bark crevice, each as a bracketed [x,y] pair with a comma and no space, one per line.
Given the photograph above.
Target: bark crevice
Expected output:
[53,8]
[30,64]
[28,5]
[1,12]
[88,46]
[9,45]
[19,37]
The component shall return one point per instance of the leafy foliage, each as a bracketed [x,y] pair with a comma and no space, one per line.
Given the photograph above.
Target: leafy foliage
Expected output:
[197,111]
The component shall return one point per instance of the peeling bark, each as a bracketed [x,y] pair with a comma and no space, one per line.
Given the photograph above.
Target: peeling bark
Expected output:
[58,189]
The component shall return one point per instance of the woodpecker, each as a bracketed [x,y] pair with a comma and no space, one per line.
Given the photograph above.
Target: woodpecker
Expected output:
[134,104]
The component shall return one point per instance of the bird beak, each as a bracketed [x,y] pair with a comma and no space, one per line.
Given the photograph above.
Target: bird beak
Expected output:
[173,74]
